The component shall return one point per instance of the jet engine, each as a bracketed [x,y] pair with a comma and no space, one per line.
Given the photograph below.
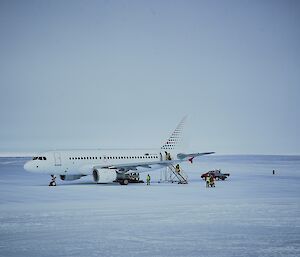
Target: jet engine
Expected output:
[70,177]
[104,175]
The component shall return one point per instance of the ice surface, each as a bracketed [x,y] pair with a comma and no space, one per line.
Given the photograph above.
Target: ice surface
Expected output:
[253,213]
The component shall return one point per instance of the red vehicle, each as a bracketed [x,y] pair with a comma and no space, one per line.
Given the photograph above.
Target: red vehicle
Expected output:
[217,174]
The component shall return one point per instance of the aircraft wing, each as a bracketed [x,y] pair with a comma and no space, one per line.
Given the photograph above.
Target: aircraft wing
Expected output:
[139,166]
[191,156]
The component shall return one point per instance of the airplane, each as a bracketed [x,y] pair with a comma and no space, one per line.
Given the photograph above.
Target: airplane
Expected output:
[110,165]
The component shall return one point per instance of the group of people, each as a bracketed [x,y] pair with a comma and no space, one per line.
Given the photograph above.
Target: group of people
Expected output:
[210,181]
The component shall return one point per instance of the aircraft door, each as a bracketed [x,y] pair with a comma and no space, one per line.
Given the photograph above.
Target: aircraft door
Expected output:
[57,159]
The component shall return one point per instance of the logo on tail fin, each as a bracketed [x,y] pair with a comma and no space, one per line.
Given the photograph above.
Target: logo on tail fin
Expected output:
[176,137]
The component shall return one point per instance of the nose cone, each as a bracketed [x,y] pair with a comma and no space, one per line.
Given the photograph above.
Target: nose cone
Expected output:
[28,166]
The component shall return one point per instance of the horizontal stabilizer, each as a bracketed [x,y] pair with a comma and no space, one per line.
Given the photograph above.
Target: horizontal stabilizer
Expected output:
[191,156]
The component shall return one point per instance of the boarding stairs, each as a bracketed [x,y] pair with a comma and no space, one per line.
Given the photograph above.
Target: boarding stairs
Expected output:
[171,175]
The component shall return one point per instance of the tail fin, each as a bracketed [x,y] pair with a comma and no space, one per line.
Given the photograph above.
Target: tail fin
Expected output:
[175,139]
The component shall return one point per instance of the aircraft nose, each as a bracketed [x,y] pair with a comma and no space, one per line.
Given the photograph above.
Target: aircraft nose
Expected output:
[28,166]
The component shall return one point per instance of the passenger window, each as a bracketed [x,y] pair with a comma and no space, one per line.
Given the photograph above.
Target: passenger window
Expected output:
[40,158]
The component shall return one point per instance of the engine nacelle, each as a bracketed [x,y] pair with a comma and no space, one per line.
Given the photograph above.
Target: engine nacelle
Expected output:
[70,177]
[104,175]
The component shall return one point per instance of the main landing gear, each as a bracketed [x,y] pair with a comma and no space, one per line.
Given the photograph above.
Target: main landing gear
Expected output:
[52,182]
[124,182]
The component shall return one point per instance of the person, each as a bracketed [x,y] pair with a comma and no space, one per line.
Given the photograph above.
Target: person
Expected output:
[168,156]
[212,181]
[207,181]
[148,180]
[177,168]
[273,172]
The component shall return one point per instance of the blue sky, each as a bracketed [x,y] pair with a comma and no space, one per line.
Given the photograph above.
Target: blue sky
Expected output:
[93,74]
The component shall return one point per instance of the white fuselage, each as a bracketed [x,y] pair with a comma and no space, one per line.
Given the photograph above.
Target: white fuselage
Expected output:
[81,162]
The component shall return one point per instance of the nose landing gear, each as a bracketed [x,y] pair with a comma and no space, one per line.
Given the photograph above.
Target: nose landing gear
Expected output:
[52,182]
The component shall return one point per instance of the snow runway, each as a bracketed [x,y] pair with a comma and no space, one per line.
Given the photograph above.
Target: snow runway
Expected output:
[252,214]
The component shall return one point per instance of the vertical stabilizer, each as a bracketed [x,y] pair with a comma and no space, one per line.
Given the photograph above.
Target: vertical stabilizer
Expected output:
[176,138]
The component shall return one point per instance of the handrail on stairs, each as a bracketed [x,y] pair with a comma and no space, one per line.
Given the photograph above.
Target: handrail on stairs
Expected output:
[180,175]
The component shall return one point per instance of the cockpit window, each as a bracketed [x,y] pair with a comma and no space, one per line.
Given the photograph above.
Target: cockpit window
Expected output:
[40,158]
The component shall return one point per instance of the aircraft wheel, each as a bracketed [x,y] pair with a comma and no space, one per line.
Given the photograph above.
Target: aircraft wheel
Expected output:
[124,182]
